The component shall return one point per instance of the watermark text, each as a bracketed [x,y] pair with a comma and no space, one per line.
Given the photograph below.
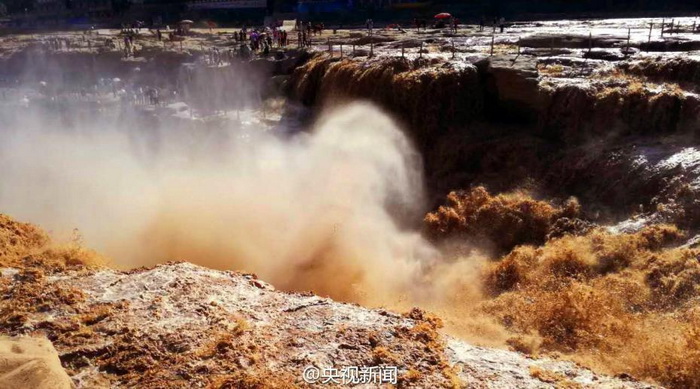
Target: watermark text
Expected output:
[351,375]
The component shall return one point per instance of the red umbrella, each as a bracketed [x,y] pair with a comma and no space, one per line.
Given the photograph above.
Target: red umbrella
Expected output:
[443,15]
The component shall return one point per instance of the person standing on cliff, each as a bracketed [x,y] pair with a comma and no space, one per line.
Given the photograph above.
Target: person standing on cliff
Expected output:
[127,46]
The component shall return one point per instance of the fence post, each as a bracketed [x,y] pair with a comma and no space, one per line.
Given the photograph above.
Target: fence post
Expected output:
[493,37]
[453,49]
[420,52]
[402,50]
[519,38]
[590,41]
[673,23]
[371,49]
[341,50]
[629,34]
[651,27]
[353,49]
[663,23]
[330,49]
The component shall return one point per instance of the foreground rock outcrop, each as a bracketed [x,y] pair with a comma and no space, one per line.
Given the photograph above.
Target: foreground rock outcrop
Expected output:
[183,326]
[180,325]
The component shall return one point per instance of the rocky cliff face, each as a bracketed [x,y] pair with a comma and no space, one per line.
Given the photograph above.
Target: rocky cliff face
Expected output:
[510,120]
[566,101]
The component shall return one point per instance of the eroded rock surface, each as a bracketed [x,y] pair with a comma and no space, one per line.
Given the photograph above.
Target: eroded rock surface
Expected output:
[181,325]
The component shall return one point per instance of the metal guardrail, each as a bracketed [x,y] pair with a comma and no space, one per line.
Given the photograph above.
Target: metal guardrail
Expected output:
[664,28]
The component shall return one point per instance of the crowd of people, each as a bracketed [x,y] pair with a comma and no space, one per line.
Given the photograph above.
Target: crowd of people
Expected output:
[132,28]
[305,30]
[258,41]
[261,40]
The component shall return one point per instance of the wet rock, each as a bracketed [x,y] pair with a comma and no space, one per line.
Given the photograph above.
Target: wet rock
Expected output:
[512,87]
[568,41]
[606,55]
[671,44]
[365,40]
[541,52]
